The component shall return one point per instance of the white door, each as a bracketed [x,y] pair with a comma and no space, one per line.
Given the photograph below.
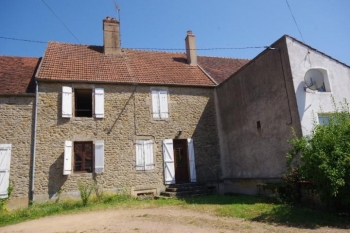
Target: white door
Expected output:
[5,162]
[168,156]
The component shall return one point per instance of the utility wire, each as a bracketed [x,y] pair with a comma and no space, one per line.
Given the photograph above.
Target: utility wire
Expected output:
[43,42]
[33,41]
[60,20]
[295,21]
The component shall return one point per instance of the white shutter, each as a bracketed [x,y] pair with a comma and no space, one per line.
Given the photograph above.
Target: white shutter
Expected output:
[5,162]
[67,102]
[168,156]
[155,104]
[193,176]
[99,102]
[99,156]
[67,163]
[140,161]
[163,99]
[148,149]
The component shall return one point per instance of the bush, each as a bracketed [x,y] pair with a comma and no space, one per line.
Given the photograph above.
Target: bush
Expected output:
[325,159]
[3,201]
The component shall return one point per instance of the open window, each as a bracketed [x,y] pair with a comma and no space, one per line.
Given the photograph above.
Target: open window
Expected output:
[83,157]
[83,102]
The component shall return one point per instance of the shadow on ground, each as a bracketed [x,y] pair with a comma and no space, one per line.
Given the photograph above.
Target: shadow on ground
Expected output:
[272,211]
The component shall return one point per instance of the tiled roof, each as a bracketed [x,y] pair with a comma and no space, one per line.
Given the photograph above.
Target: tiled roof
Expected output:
[17,74]
[71,62]
[220,68]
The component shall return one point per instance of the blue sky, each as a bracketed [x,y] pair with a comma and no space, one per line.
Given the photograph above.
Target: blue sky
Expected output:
[324,24]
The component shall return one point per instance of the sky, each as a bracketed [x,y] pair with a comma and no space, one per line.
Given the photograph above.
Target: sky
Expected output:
[162,24]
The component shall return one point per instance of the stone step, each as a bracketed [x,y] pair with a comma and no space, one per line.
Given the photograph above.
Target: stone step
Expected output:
[191,193]
[186,188]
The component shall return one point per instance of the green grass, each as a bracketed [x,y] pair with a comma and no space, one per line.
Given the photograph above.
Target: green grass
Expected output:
[247,207]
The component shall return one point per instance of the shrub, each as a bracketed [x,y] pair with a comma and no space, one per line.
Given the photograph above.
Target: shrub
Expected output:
[325,159]
[3,201]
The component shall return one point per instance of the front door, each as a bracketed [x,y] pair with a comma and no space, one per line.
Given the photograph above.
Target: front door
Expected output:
[181,161]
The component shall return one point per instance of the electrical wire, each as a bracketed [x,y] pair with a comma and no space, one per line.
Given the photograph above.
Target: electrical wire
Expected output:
[60,20]
[163,49]
[295,21]
[24,40]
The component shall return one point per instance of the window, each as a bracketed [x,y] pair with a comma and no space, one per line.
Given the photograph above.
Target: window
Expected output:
[160,104]
[83,99]
[144,155]
[83,102]
[83,157]
[323,120]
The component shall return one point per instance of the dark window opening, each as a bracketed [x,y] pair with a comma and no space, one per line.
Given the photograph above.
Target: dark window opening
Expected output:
[83,157]
[258,126]
[83,102]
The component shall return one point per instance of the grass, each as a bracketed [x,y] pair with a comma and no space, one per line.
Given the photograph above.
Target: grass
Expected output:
[246,207]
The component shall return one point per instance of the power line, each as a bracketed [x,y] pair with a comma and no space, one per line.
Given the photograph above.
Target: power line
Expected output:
[33,41]
[295,21]
[60,20]
[163,49]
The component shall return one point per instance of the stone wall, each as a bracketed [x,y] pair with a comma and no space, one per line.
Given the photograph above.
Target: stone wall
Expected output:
[127,118]
[16,120]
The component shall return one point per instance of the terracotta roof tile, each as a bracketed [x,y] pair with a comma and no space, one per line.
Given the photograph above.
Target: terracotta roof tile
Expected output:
[17,74]
[72,62]
[221,68]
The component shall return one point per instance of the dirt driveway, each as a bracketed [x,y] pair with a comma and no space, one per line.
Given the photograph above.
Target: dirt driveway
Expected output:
[163,219]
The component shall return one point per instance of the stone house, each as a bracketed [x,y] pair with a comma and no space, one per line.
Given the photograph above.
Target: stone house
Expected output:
[136,121]
[17,97]
[289,85]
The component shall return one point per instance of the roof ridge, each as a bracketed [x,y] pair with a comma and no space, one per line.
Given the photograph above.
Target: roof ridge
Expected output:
[14,56]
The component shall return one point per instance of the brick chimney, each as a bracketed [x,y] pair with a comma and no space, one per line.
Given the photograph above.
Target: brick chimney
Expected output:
[111,36]
[191,51]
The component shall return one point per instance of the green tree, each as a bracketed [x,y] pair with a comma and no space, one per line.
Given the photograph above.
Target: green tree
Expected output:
[324,158]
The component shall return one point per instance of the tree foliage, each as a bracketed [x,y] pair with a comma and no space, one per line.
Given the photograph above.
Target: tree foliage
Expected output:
[324,158]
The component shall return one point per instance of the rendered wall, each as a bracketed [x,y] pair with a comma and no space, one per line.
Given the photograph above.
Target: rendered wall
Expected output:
[262,91]
[16,120]
[311,103]
[191,111]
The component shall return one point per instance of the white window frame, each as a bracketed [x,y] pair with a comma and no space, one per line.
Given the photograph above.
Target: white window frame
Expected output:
[144,155]
[160,104]
[67,101]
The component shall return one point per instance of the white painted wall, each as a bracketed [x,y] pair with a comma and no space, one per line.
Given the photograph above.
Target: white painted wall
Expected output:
[311,103]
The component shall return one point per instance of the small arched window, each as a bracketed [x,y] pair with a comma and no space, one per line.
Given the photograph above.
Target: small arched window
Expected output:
[317,79]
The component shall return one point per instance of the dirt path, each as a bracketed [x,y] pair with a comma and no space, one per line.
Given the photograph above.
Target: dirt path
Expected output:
[162,220]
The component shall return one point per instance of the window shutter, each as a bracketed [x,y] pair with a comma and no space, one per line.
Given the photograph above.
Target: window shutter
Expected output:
[66,102]
[140,162]
[163,98]
[190,146]
[148,148]
[99,156]
[99,102]
[5,162]
[67,163]
[168,156]
[155,105]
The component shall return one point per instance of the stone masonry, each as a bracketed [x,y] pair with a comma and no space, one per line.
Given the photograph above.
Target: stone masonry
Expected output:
[127,118]
[16,120]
